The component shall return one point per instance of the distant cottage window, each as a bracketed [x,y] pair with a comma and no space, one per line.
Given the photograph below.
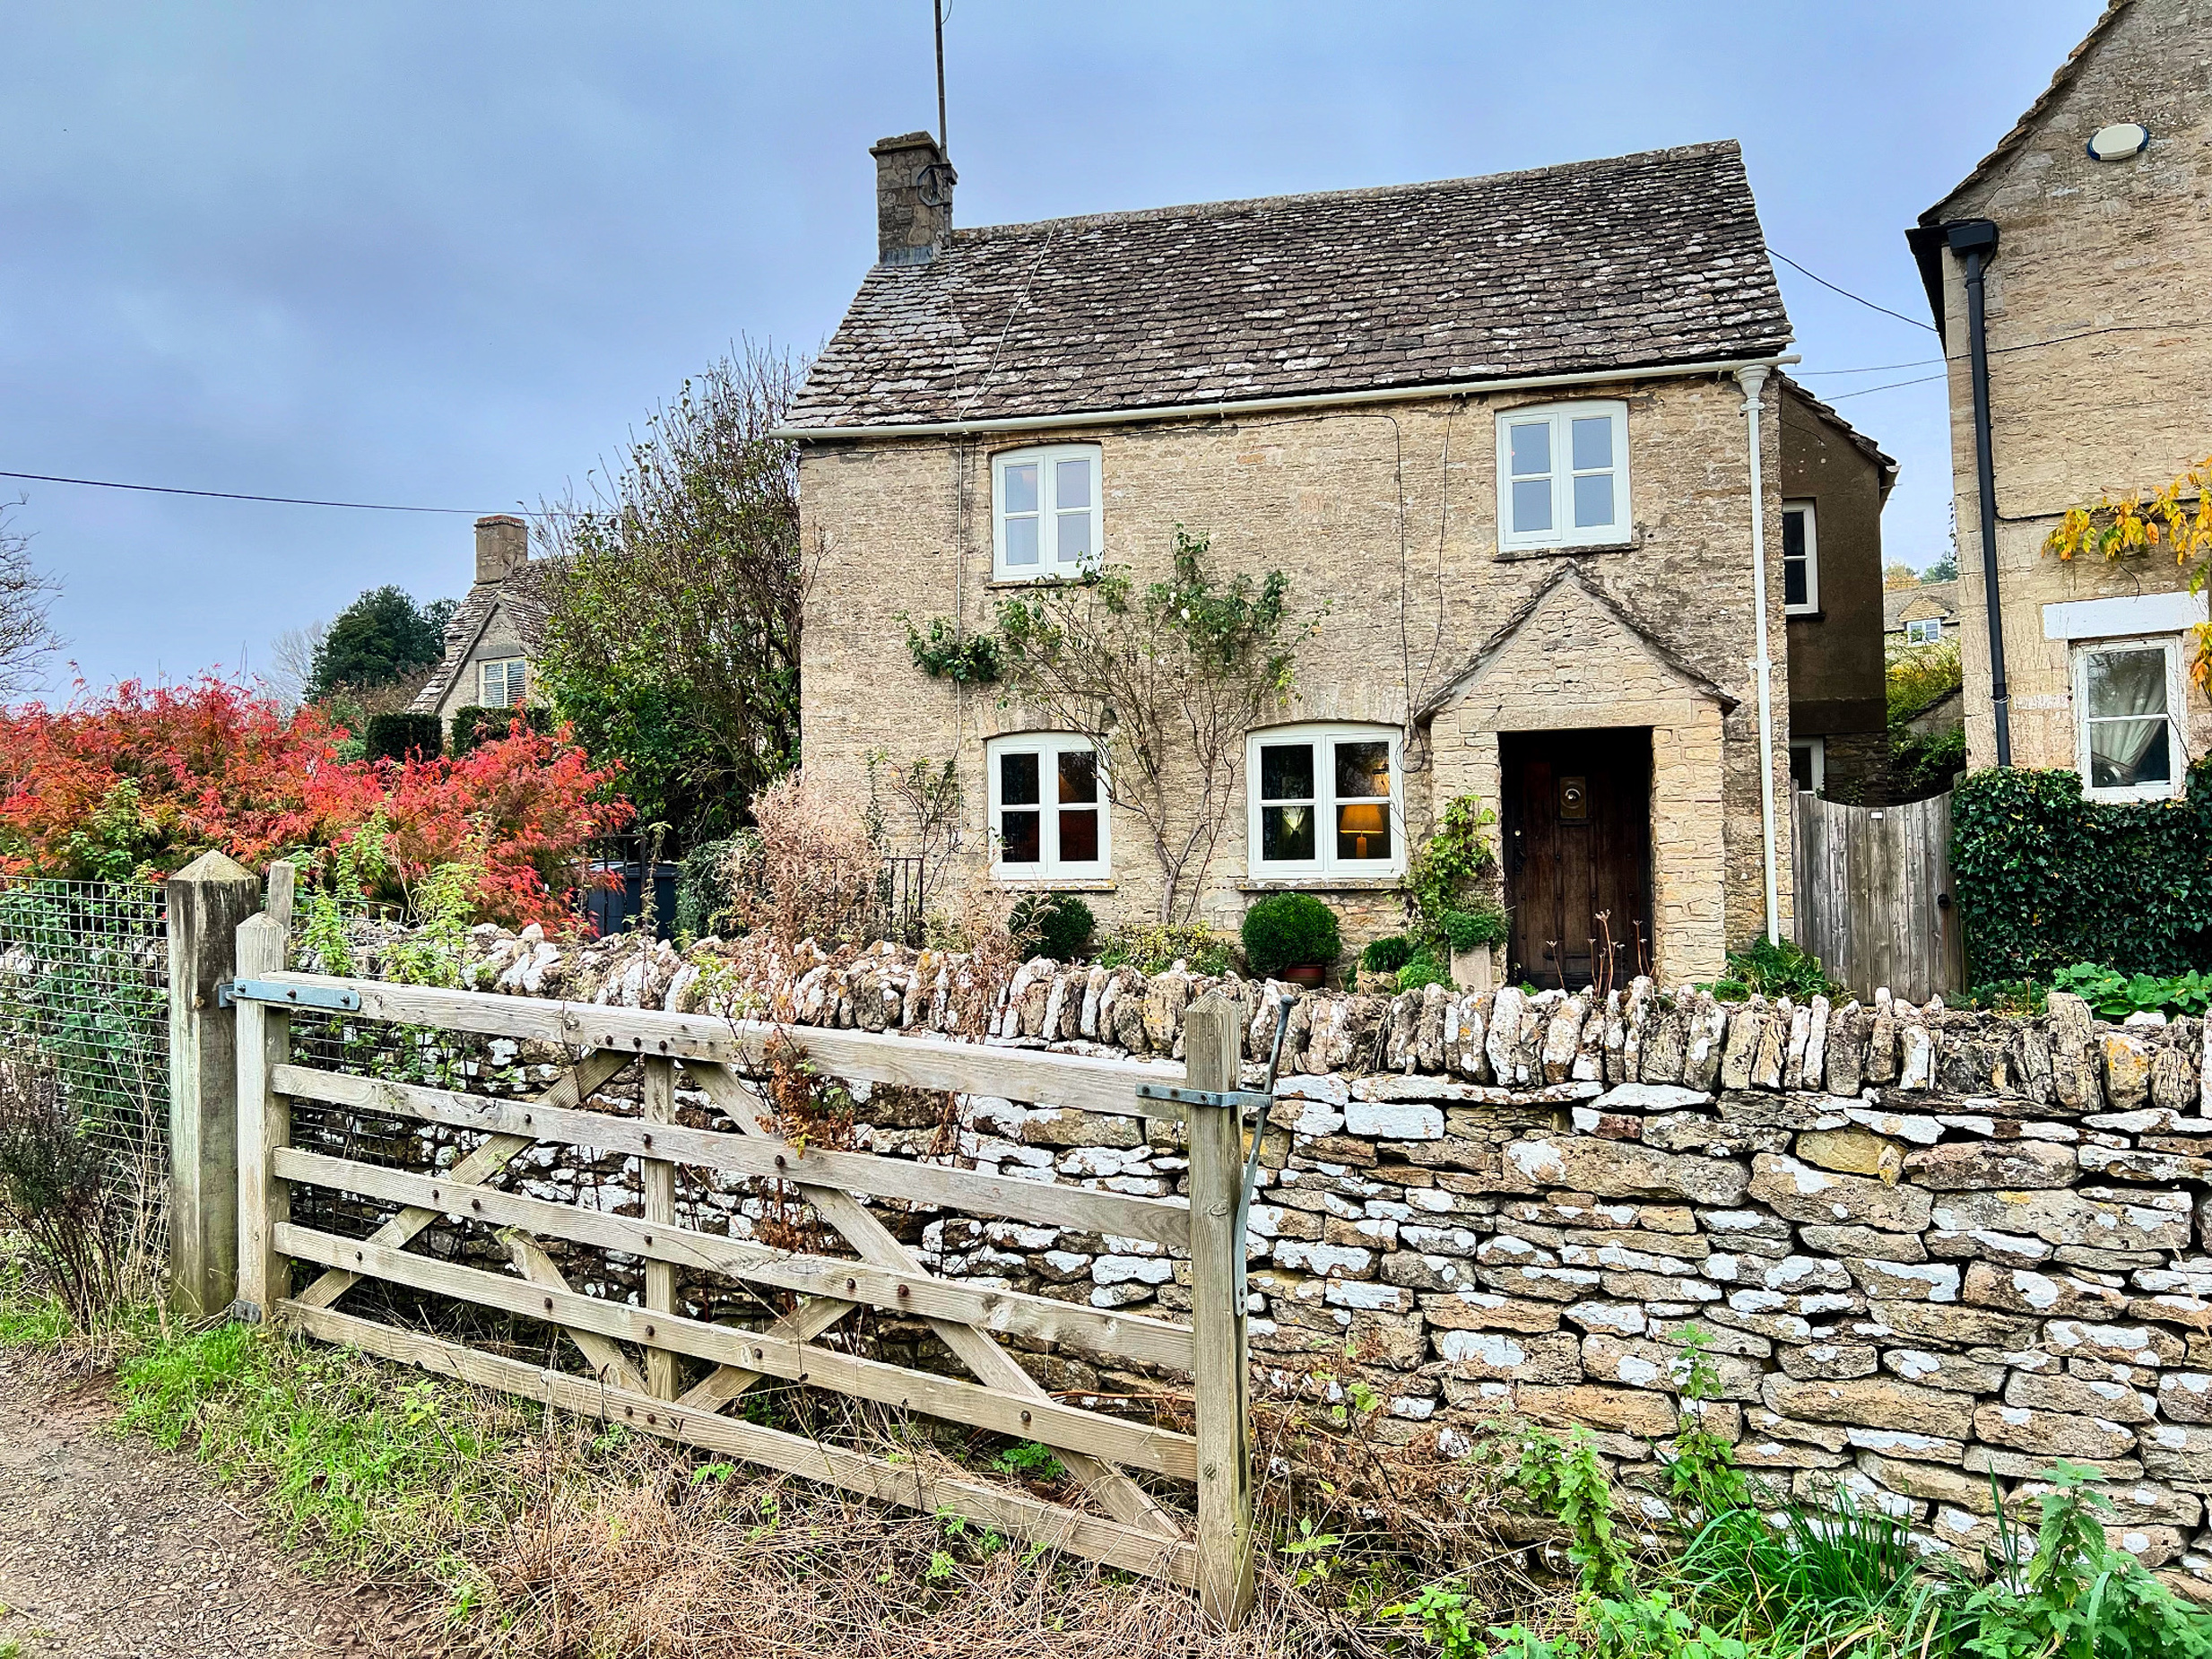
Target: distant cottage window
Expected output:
[1046,516]
[1563,475]
[1800,560]
[1048,806]
[2125,695]
[501,683]
[1322,803]
[1924,630]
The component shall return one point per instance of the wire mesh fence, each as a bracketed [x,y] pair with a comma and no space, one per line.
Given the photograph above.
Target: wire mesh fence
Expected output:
[84,1004]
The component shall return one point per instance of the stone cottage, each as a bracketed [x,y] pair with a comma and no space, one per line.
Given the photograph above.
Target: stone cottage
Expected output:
[493,634]
[1925,614]
[2084,233]
[1523,435]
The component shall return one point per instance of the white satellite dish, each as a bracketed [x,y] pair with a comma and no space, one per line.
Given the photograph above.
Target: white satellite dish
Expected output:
[2119,142]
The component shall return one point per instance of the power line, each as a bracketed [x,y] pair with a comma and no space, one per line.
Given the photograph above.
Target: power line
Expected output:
[1865,391]
[1846,292]
[234,495]
[1870,368]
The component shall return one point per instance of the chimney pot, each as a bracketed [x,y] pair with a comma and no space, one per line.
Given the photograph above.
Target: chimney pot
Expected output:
[914,199]
[502,542]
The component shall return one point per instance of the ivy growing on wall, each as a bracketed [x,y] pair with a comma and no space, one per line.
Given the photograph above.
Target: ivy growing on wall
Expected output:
[2045,879]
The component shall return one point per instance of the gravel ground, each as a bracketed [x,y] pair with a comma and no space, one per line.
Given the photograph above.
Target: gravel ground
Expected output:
[110,1548]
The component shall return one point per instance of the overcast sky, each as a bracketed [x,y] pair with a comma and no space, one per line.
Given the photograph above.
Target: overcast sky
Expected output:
[446,255]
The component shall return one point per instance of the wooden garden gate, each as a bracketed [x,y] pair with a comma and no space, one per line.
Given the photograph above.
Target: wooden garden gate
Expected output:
[635,1354]
[1874,895]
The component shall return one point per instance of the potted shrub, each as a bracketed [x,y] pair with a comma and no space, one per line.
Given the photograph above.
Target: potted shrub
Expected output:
[1475,935]
[1292,936]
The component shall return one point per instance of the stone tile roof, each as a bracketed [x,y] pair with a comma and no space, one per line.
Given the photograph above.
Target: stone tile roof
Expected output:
[522,595]
[1633,262]
[1929,599]
[1885,463]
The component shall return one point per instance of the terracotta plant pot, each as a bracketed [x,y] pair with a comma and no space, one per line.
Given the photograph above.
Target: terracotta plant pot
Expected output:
[1308,974]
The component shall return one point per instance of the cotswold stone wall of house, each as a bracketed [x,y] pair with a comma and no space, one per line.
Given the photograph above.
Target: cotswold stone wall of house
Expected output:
[1927,1246]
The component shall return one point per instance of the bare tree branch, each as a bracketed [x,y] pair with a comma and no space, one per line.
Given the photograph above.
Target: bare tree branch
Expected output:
[27,595]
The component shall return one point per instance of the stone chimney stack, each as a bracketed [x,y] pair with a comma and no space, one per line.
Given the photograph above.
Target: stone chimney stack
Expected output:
[914,199]
[502,542]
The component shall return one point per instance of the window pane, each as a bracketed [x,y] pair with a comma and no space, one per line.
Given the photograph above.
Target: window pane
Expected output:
[1017,781]
[1286,772]
[1362,769]
[1531,505]
[1594,500]
[1021,831]
[1363,830]
[1074,545]
[1794,581]
[1070,484]
[1079,774]
[1793,534]
[2126,683]
[2123,753]
[1532,448]
[1593,443]
[1801,764]
[1079,836]
[1020,486]
[1285,833]
[1021,541]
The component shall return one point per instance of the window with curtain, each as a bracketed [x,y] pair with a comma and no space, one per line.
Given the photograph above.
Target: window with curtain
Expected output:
[1048,806]
[1045,516]
[1322,801]
[2128,740]
[1563,475]
[501,684]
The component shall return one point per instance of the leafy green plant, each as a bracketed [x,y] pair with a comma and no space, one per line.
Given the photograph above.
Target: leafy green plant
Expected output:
[1313,1553]
[943,653]
[1387,954]
[1479,922]
[1422,971]
[1155,947]
[706,904]
[1055,924]
[1290,930]
[404,735]
[1702,1471]
[1028,1457]
[476,723]
[1564,1480]
[1783,970]
[2113,996]
[1445,870]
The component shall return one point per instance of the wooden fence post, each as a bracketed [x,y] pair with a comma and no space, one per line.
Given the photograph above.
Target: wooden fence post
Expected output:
[1220,1369]
[264,1124]
[205,900]
[660,1207]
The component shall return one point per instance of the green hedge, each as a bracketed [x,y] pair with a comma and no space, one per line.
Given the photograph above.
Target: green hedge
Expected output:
[477,725]
[2045,879]
[403,736]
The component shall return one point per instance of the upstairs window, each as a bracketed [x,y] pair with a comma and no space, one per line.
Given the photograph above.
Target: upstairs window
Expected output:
[2127,693]
[1322,801]
[1048,807]
[1800,560]
[1563,476]
[1924,630]
[1046,516]
[501,684]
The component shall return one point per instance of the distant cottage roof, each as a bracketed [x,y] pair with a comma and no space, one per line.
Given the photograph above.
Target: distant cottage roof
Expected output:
[1642,261]
[1901,605]
[521,595]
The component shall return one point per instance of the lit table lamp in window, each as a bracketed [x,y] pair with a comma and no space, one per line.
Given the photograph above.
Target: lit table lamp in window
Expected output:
[1360,820]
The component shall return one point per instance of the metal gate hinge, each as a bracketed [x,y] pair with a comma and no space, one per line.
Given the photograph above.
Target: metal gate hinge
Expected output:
[1241,1099]
[232,991]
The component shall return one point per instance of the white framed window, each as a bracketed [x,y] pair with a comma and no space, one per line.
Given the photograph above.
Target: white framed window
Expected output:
[1808,763]
[1049,813]
[1801,559]
[1046,519]
[501,684]
[1323,801]
[2127,699]
[1924,630]
[1563,475]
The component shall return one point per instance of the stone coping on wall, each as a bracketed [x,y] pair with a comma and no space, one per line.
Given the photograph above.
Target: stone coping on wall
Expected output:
[1929,1248]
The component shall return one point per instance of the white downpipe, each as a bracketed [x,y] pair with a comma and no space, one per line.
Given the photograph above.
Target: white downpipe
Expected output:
[1753,380]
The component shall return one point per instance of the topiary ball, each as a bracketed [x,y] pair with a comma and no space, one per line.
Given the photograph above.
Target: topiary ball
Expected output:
[1290,930]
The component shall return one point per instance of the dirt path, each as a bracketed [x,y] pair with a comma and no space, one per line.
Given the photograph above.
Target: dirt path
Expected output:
[112,1549]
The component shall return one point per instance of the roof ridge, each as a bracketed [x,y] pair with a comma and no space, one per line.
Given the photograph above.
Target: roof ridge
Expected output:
[1231,206]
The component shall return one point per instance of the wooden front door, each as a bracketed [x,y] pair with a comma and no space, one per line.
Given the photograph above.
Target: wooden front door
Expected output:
[1578,854]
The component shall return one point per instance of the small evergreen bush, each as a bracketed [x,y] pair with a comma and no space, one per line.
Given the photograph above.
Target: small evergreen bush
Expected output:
[1483,922]
[1386,955]
[1290,930]
[476,724]
[1155,947]
[405,735]
[1784,969]
[705,905]
[1055,924]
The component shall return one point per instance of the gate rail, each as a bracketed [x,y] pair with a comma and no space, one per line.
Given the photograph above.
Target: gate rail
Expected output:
[637,1354]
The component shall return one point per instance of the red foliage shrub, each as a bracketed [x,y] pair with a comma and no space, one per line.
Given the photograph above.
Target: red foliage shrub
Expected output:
[140,780]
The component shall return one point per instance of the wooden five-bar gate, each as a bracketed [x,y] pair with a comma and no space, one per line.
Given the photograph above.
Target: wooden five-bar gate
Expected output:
[655,1368]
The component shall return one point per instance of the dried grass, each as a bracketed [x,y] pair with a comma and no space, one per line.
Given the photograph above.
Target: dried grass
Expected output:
[811,869]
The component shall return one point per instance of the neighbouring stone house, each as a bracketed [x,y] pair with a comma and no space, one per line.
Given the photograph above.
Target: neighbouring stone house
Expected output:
[2090,222]
[494,633]
[1500,426]
[1913,617]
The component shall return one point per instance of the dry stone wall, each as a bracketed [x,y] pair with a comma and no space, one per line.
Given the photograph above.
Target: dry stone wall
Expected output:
[1927,1246]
